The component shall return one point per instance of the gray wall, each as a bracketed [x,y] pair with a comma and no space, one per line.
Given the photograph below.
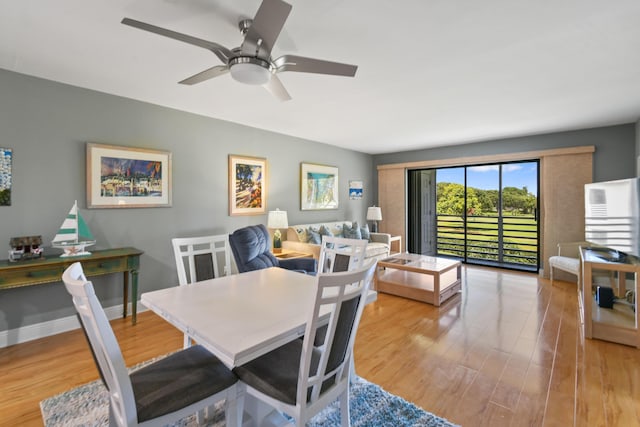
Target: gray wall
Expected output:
[637,146]
[614,157]
[47,124]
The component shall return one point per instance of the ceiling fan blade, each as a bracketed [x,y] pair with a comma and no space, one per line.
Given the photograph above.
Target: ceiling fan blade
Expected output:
[212,72]
[220,51]
[265,28]
[276,88]
[302,64]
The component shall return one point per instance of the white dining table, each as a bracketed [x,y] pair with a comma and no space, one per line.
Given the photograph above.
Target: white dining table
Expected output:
[243,316]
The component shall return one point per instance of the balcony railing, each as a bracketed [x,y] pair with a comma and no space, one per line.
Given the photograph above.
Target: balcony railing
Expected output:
[510,240]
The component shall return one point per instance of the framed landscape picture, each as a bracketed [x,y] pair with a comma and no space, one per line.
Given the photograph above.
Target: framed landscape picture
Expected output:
[355,189]
[126,177]
[6,155]
[247,185]
[318,187]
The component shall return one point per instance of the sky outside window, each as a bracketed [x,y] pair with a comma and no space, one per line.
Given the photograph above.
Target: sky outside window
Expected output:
[485,177]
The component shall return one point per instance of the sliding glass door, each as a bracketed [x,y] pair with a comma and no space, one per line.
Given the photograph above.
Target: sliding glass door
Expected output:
[482,214]
[483,220]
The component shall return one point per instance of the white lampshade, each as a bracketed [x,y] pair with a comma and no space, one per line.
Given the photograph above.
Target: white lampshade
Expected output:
[249,70]
[277,219]
[374,213]
[250,74]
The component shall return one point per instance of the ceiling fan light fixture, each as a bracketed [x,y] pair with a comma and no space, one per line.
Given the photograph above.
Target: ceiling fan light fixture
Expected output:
[251,63]
[251,71]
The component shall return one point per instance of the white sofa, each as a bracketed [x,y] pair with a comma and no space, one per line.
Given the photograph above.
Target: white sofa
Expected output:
[297,239]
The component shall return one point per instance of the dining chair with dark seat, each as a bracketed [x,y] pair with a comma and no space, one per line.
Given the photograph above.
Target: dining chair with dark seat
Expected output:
[341,254]
[301,379]
[201,258]
[184,383]
[251,247]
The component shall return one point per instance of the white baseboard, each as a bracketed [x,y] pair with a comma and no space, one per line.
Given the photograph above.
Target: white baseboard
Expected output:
[53,327]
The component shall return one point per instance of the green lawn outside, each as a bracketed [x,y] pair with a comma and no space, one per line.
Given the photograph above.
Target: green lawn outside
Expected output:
[519,236]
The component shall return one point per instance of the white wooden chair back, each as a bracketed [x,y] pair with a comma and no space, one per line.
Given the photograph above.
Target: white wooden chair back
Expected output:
[339,254]
[104,345]
[113,371]
[340,299]
[202,258]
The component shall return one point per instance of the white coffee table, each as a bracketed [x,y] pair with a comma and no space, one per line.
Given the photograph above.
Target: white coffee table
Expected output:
[420,277]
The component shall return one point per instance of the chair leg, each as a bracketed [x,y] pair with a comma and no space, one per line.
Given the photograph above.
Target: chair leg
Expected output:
[352,370]
[551,274]
[234,406]
[345,419]
[579,280]
[201,417]
[187,341]
[112,417]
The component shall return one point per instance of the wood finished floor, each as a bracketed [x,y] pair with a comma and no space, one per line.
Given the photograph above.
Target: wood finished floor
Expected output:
[506,352]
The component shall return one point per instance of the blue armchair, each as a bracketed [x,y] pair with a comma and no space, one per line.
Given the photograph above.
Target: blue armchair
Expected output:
[251,249]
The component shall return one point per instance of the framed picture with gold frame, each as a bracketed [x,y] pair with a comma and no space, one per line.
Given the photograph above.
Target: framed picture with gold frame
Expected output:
[318,187]
[247,185]
[127,177]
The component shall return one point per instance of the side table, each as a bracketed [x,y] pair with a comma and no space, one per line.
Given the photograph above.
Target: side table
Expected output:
[289,254]
[620,322]
[49,269]
[396,239]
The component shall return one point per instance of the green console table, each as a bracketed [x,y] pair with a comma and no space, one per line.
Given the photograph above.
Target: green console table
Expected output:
[49,269]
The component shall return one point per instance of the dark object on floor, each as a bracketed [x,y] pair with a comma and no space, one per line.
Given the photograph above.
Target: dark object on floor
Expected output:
[604,297]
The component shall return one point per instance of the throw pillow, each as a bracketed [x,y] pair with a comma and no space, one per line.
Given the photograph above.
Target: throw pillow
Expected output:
[302,234]
[351,232]
[324,231]
[313,236]
[366,234]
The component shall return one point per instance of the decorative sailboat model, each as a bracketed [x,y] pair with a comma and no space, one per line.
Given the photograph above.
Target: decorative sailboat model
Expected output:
[74,235]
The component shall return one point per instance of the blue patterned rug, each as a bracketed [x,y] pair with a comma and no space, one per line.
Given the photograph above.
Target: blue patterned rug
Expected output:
[87,405]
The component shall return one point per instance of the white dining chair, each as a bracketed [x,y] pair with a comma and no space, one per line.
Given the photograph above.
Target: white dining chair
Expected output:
[202,258]
[184,383]
[341,254]
[301,379]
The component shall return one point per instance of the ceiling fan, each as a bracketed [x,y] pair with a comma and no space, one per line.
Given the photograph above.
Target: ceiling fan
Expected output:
[251,63]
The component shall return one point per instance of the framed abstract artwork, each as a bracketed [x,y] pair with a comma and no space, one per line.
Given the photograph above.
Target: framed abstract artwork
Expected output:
[247,185]
[126,177]
[6,156]
[318,187]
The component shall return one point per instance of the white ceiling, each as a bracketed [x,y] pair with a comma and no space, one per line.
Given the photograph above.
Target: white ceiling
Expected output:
[431,72]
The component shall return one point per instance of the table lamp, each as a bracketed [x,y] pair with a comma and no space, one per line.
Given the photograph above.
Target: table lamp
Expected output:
[374,213]
[277,219]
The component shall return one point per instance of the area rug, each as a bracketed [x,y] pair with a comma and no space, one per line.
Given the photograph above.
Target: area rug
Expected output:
[370,405]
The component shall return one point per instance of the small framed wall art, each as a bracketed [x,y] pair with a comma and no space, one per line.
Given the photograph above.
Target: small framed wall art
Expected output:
[247,185]
[126,177]
[6,156]
[318,187]
[355,189]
